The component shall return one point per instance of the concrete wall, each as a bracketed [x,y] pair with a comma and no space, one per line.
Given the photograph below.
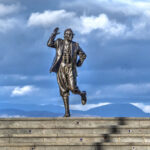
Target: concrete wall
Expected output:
[75,133]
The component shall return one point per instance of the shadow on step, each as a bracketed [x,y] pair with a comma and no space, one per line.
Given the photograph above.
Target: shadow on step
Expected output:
[98,146]
[121,121]
[113,129]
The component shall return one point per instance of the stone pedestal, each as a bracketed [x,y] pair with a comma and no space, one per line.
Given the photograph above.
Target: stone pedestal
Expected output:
[75,133]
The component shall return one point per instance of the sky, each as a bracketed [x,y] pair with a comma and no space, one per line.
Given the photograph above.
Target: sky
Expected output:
[114,34]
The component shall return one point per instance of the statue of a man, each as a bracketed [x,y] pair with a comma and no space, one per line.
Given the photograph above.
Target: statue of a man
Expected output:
[65,62]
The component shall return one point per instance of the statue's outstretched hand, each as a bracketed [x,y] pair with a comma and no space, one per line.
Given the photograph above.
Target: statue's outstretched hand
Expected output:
[55,32]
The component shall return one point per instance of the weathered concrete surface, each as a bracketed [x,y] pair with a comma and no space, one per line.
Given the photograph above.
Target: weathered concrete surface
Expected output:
[71,122]
[74,139]
[74,133]
[104,146]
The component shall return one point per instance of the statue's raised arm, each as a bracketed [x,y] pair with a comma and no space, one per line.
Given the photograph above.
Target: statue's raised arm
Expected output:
[51,41]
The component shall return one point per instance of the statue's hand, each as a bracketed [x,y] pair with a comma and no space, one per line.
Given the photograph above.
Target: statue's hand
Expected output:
[55,32]
[79,63]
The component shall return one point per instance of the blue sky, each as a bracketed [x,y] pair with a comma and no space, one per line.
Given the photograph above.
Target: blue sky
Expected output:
[114,34]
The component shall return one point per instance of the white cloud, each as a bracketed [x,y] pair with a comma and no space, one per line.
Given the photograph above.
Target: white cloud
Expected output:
[8,19]
[140,27]
[133,88]
[87,106]
[101,22]
[129,18]
[128,90]
[82,24]
[48,17]
[8,9]
[143,107]
[136,7]
[11,116]
[127,7]
[138,12]
[25,90]
[8,24]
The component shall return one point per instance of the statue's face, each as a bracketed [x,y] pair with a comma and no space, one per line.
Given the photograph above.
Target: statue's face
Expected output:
[68,35]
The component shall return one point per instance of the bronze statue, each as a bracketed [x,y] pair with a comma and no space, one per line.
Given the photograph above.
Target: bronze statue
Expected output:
[64,65]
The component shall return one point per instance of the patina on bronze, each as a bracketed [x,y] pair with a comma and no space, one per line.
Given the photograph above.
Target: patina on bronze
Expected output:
[65,63]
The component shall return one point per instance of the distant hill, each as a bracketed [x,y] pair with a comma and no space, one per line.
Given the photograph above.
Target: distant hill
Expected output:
[33,107]
[21,113]
[117,110]
[111,110]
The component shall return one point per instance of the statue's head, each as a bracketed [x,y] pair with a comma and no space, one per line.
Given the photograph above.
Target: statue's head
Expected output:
[68,34]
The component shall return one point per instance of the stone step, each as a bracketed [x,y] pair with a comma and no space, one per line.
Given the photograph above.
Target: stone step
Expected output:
[73,122]
[75,131]
[86,146]
[75,139]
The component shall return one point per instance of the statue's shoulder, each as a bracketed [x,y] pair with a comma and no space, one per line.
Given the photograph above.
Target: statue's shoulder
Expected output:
[59,41]
[75,43]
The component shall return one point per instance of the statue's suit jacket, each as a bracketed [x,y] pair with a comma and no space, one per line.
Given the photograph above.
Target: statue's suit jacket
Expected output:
[59,46]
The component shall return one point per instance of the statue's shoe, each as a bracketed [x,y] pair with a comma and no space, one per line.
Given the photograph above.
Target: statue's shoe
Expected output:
[83,98]
[67,115]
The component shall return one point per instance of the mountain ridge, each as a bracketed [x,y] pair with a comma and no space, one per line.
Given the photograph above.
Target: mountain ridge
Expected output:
[110,110]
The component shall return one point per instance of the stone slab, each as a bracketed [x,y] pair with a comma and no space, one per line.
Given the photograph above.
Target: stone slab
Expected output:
[72,122]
